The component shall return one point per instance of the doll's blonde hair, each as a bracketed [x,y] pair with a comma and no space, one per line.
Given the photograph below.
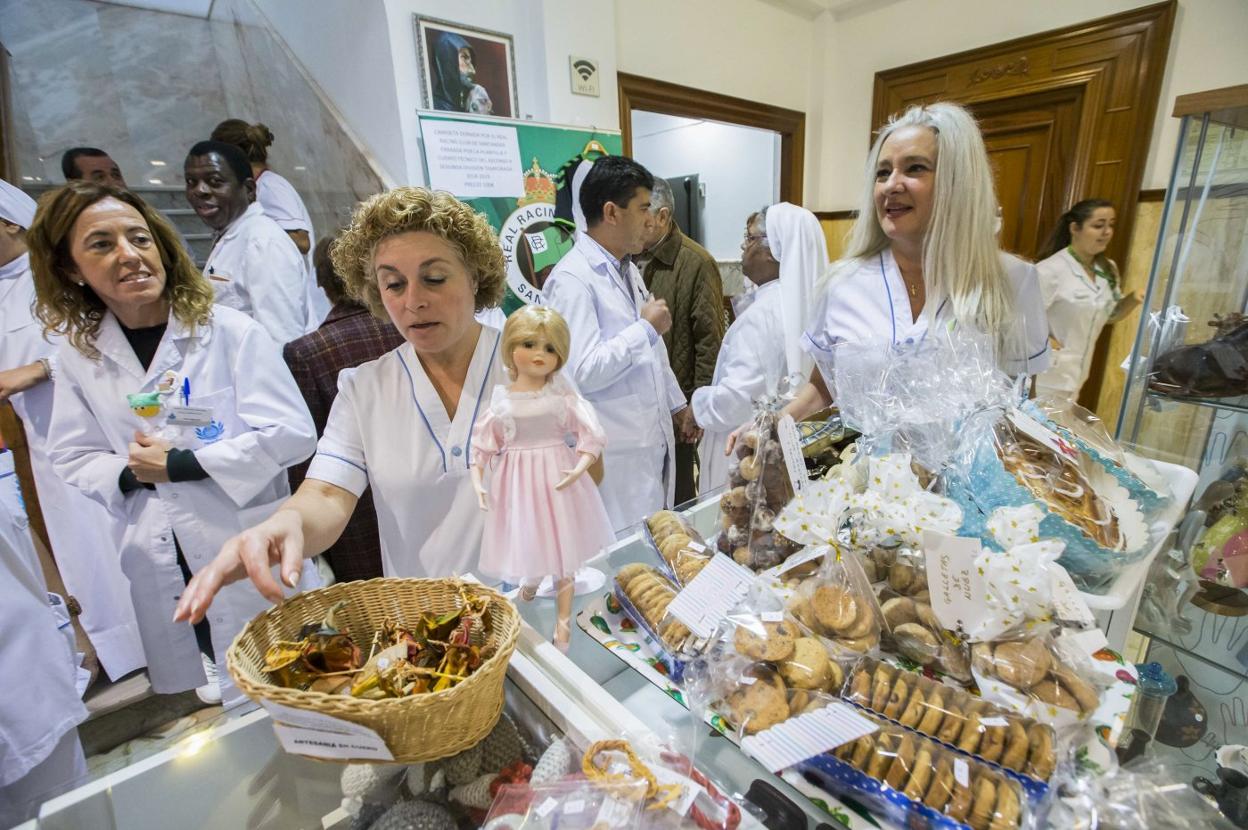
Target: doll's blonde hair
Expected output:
[530,321]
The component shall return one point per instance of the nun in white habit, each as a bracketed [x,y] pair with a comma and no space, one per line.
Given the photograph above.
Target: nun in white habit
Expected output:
[785,255]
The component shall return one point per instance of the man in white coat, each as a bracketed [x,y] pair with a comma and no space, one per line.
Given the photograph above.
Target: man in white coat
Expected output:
[254,266]
[618,358]
[78,528]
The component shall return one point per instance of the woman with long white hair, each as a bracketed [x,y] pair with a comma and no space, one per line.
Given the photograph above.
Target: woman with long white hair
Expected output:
[923,251]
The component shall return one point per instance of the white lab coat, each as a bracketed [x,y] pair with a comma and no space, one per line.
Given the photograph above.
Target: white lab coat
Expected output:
[256,268]
[77,527]
[1078,310]
[751,364]
[389,429]
[281,203]
[866,300]
[41,704]
[620,365]
[260,427]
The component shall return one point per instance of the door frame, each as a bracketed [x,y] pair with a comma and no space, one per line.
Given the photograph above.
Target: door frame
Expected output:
[638,93]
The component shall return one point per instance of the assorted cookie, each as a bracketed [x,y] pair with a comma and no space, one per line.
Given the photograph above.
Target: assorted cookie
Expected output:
[926,773]
[838,612]
[913,631]
[680,545]
[954,716]
[1032,668]
[758,488]
[650,593]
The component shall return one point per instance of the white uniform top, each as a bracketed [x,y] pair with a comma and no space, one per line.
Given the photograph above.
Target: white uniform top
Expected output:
[77,527]
[1078,309]
[281,203]
[260,426]
[867,301]
[256,268]
[619,363]
[34,654]
[389,429]
[751,363]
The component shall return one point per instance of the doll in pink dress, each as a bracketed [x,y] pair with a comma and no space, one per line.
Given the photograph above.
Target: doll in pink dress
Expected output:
[546,517]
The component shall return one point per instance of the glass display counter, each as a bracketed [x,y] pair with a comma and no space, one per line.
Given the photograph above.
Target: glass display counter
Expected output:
[1186,402]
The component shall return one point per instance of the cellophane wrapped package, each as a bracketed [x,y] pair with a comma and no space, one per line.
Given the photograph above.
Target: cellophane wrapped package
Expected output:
[645,593]
[759,487]
[682,550]
[568,804]
[838,605]
[1030,674]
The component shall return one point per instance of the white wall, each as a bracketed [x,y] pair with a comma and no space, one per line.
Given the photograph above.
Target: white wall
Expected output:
[744,48]
[345,47]
[739,167]
[1206,52]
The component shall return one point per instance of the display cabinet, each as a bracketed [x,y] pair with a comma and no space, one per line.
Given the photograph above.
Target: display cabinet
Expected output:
[1186,402]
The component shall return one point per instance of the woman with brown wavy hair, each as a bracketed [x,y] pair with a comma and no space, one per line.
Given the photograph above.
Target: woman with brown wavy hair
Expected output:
[178,416]
[401,424]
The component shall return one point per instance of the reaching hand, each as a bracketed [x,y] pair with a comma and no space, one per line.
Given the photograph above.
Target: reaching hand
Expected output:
[656,313]
[277,540]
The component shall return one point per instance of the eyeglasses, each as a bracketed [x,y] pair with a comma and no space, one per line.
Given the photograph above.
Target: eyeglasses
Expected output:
[755,237]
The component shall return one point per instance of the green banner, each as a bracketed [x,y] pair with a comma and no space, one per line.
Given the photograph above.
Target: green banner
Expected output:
[532,238]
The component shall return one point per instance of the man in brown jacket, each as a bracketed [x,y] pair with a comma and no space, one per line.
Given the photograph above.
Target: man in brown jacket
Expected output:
[681,272]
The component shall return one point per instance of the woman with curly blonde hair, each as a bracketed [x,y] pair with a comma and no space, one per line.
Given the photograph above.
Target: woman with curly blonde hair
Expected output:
[401,424]
[178,416]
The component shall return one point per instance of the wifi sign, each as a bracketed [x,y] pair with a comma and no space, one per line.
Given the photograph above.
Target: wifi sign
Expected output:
[584,75]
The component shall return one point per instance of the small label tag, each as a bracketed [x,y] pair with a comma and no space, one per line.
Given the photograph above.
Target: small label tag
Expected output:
[189,416]
[800,558]
[689,789]
[772,616]
[1067,602]
[322,736]
[994,722]
[806,736]
[791,446]
[613,812]
[696,547]
[706,600]
[957,586]
[961,772]
[1034,429]
[573,807]
[545,807]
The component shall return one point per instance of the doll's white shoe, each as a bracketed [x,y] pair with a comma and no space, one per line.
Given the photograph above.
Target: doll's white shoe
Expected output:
[528,591]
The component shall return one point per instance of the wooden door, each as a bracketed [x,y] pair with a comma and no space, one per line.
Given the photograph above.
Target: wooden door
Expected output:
[1031,143]
[1067,115]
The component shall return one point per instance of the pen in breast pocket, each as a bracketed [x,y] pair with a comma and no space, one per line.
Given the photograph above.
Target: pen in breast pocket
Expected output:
[186,391]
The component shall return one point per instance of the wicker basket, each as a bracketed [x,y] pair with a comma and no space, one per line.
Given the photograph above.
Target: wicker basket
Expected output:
[417,728]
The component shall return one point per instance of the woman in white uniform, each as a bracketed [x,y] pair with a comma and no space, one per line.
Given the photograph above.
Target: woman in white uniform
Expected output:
[279,200]
[401,424]
[923,250]
[77,527]
[785,254]
[137,317]
[1081,294]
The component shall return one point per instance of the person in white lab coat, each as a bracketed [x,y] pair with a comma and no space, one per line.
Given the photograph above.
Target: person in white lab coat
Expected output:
[138,318]
[280,201]
[401,424]
[77,527]
[785,254]
[924,250]
[253,266]
[618,359]
[40,755]
[1081,294]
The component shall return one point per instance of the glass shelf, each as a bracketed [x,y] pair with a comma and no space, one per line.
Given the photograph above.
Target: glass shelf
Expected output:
[1239,404]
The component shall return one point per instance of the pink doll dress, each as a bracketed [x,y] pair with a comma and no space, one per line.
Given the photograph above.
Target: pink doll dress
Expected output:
[531,529]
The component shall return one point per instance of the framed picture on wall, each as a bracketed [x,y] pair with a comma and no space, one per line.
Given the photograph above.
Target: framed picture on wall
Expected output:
[465,69]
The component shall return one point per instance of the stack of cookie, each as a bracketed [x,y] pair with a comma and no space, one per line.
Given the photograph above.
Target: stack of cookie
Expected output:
[926,773]
[1032,667]
[903,571]
[679,544]
[650,593]
[913,632]
[758,488]
[789,673]
[838,610]
[954,716]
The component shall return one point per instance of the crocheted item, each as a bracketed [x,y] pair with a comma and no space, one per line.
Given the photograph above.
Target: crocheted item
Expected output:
[368,815]
[555,763]
[415,815]
[367,783]
[475,794]
[464,767]
[502,746]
